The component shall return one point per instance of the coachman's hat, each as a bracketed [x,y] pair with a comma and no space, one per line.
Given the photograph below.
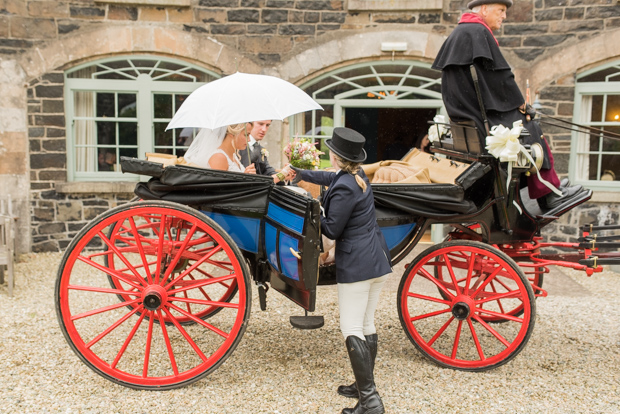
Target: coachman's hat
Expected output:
[475,3]
[347,144]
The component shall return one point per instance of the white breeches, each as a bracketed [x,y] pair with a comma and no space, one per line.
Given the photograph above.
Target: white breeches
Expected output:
[357,302]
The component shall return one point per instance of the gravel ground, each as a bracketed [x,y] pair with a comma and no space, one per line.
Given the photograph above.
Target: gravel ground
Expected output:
[570,365]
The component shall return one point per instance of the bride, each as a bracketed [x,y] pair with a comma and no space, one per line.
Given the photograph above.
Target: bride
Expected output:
[217,149]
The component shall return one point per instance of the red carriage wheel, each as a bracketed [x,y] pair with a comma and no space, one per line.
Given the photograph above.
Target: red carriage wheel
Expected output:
[446,317]
[122,234]
[170,265]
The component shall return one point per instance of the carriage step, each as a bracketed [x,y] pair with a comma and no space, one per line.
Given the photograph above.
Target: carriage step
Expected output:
[307,322]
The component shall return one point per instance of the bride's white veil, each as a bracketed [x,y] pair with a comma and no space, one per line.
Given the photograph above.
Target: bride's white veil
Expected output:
[204,145]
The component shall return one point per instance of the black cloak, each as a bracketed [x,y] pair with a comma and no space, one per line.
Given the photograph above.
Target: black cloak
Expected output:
[473,44]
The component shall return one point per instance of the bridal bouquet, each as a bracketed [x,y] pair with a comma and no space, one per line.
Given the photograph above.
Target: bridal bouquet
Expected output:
[303,153]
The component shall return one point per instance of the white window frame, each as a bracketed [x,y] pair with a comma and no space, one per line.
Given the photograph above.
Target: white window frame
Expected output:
[578,165]
[144,87]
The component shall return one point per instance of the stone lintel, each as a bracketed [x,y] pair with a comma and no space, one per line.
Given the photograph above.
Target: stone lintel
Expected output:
[172,3]
[395,5]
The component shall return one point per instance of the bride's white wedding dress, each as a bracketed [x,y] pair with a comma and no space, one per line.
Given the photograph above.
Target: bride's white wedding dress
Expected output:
[233,165]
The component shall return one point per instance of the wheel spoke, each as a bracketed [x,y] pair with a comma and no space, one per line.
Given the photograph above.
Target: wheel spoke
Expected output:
[452,276]
[180,251]
[147,351]
[103,290]
[189,340]
[112,327]
[164,331]
[457,338]
[423,272]
[428,298]
[501,315]
[112,272]
[192,267]
[138,239]
[104,309]
[202,283]
[440,331]
[428,315]
[121,351]
[120,255]
[492,331]
[204,302]
[476,340]
[200,321]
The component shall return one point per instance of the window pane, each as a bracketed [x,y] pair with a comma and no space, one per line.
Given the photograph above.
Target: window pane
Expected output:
[162,106]
[594,142]
[178,100]
[106,133]
[613,108]
[105,105]
[597,108]
[162,137]
[610,167]
[128,133]
[593,172]
[128,152]
[127,105]
[106,160]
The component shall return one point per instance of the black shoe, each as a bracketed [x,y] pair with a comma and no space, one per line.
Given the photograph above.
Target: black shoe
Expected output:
[350,391]
[361,362]
[552,200]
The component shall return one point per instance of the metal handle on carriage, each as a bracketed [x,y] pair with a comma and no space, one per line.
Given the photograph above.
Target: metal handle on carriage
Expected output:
[294,253]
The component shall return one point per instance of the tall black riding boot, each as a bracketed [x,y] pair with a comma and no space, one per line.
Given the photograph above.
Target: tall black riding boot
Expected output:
[361,362]
[350,391]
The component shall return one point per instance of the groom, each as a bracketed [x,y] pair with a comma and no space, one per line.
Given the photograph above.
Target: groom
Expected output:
[258,154]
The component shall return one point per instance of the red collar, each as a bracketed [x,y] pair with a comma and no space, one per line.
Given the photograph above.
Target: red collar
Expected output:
[474,18]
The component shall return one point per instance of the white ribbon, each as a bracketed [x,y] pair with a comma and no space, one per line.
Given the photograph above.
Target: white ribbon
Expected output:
[503,144]
[438,129]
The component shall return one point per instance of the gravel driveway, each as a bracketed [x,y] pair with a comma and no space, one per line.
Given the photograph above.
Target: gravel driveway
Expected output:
[570,365]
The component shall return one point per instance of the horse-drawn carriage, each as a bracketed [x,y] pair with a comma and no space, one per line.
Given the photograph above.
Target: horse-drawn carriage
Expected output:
[156,294]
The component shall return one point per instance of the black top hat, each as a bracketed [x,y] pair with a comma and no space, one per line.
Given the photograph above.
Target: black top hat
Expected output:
[472,4]
[347,144]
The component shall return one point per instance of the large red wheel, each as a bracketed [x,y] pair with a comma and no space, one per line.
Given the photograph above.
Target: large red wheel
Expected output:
[446,317]
[170,265]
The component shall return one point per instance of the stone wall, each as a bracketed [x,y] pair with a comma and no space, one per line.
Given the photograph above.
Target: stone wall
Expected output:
[38,42]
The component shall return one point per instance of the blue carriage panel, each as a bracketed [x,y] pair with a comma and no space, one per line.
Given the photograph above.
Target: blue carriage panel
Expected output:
[287,219]
[244,231]
[271,236]
[290,264]
[394,235]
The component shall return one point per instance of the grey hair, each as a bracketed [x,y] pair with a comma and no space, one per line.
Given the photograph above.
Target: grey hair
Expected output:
[476,9]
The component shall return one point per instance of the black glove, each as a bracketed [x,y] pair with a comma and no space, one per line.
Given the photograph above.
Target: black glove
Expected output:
[297,174]
[528,111]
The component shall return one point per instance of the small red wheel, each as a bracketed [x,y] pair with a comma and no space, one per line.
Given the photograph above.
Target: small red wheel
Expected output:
[446,317]
[171,266]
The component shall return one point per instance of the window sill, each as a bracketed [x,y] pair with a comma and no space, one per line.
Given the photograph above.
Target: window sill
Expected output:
[383,5]
[175,3]
[86,187]
[604,197]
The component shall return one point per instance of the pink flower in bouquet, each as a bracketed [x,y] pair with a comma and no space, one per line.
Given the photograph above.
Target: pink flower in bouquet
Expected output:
[303,153]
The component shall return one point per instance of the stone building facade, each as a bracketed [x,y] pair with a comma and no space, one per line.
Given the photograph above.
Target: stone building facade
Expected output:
[549,43]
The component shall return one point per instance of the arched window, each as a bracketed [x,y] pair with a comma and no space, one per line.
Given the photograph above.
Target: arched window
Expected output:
[389,102]
[595,159]
[120,107]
